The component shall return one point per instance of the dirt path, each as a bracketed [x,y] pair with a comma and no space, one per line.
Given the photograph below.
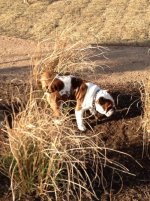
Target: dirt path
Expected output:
[124,63]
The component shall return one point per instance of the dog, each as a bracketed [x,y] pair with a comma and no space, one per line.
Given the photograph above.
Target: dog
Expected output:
[88,96]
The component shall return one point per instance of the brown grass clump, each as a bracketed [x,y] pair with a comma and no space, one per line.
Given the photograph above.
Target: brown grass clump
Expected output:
[66,56]
[53,161]
[146,119]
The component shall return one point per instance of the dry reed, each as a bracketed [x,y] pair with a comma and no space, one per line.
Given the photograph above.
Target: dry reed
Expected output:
[53,161]
[49,160]
[146,118]
[65,56]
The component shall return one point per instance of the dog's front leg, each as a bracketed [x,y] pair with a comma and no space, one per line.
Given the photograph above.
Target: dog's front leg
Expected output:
[55,105]
[79,119]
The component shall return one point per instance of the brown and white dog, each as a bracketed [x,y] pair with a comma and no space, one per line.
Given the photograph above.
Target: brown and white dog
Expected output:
[88,96]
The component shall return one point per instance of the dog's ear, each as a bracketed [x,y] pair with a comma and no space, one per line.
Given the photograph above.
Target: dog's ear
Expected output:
[56,85]
[102,100]
[76,82]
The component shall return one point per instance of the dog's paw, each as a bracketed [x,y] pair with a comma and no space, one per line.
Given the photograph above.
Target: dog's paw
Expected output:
[82,128]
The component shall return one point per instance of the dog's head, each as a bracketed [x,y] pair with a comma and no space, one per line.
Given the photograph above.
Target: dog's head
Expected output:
[104,103]
[45,79]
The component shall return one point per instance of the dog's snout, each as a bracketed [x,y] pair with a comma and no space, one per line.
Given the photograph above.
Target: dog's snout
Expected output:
[111,112]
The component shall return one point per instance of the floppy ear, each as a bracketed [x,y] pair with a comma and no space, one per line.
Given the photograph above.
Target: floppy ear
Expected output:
[102,100]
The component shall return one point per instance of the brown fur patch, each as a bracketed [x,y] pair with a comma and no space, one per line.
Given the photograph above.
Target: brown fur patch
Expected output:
[76,82]
[105,103]
[54,100]
[50,83]
[80,94]
[75,87]
[56,85]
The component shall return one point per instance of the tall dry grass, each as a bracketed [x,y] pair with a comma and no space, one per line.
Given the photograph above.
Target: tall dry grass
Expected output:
[51,161]
[55,162]
[105,22]
[146,118]
[67,56]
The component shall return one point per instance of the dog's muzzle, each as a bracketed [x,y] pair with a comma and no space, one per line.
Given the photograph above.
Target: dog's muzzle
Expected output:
[110,112]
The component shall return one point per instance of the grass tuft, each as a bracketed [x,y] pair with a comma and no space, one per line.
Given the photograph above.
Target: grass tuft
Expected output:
[146,118]
[67,56]
[53,161]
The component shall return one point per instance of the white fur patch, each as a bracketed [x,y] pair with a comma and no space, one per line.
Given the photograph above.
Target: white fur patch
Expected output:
[88,99]
[109,113]
[67,84]
[79,119]
[105,94]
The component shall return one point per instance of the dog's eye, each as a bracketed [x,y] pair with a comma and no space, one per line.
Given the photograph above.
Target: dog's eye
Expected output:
[102,100]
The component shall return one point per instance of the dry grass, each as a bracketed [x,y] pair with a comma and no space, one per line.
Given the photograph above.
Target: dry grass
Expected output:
[109,21]
[146,119]
[67,56]
[53,161]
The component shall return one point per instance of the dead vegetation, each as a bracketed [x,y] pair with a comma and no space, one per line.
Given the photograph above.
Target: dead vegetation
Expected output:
[52,161]
[94,21]
[147,106]
[146,118]
[66,56]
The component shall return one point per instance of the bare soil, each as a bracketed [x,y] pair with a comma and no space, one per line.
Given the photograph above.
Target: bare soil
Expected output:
[122,74]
